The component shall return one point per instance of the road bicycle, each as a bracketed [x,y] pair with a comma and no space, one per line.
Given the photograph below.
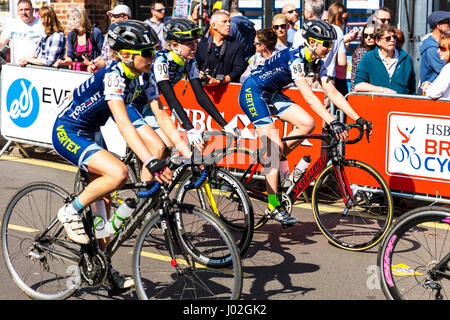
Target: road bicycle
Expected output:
[220,193]
[181,251]
[414,257]
[351,202]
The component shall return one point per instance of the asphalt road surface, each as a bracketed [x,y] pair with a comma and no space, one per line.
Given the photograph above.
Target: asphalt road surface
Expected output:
[296,263]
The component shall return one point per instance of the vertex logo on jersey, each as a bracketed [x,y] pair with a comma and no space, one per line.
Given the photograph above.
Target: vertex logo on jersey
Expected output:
[65,141]
[270,73]
[85,105]
[249,101]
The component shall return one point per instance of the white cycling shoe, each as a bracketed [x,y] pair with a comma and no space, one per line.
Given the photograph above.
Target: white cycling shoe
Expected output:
[73,225]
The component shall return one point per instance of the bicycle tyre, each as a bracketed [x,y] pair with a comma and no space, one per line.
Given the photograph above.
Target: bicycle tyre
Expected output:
[417,240]
[30,211]
[155,276]
[233,204]
[368,219]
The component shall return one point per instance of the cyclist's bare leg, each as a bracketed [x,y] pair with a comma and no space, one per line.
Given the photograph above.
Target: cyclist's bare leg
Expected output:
[154,144]
[303,124]
[270,137]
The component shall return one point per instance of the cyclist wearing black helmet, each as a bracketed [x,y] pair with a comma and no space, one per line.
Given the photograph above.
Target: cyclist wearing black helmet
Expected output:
[176,62]
[264,88]
[103,95]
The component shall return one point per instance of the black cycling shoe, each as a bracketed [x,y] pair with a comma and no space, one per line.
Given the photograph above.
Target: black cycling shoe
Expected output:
[119,283]
[279,214]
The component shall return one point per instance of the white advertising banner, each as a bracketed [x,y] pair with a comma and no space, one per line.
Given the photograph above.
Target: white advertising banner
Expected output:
[418,145]
[32,97]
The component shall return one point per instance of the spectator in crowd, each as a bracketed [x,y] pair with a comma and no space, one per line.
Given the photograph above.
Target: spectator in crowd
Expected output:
[314,10]
[280,25]
[290,11]
[430,63]
[383,16]
[337,17]
[386,69]
[242,29]
[194,15]
[220,59]
[367,44]
[119,13]
[440,88]
[400,38]
[156,21]
[23,33]
[265,41]
[84,41]
[53,45]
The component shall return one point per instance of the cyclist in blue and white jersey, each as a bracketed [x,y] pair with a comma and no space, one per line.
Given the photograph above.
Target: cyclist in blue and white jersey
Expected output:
[176,62]
[103,95]
[261,97]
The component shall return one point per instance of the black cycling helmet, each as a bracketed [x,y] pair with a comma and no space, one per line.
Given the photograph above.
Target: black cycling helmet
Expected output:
[131,35]
[318,29]
[181,30]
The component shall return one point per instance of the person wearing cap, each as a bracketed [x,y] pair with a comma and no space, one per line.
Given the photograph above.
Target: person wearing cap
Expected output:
[119,13]
[430,63]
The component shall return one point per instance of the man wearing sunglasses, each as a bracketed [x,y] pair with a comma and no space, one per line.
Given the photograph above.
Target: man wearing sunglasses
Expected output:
[156,21]
[387,68]
[430,63]
[291,14]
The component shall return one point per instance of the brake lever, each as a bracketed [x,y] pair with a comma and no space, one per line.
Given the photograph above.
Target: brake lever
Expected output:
[368,130]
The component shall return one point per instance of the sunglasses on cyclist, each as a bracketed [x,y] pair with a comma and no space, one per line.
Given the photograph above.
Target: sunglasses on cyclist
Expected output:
[389,38]
[282,26]
[146,52]
[443,49]
[325,43]
[196,32]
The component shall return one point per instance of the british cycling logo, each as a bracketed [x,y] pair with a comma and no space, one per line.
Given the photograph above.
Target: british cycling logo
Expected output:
[22,103]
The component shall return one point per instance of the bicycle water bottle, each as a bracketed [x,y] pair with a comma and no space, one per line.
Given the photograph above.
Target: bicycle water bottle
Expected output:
[119,216]
[301,167]
[100,219]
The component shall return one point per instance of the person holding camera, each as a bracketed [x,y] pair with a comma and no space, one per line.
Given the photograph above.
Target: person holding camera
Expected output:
[178,61]
[220,59]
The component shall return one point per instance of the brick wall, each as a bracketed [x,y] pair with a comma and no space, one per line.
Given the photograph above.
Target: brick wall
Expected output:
[96,10]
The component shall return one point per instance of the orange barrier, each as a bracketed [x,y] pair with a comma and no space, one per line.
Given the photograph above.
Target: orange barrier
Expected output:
[410,144]
[226,100]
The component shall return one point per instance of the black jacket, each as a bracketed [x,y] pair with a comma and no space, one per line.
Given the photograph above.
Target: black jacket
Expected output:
[232,63]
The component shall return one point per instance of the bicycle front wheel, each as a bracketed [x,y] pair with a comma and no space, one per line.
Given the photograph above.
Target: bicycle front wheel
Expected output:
[158,276]
[31,237]
[414,257]
[352,224]
[224,196]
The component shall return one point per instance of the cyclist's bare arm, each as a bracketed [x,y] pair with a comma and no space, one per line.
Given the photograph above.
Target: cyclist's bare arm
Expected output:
[313,101]
[168,127]
[338,99]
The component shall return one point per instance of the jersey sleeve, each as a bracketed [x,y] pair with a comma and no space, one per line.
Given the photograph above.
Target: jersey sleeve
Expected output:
[114,85]
[193,69]
[161,69]
[297,69]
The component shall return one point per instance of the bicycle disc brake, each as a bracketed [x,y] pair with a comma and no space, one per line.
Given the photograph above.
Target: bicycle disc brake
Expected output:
[93,269]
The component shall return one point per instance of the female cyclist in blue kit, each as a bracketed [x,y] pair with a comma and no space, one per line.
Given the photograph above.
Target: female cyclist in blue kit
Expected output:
[263,89]
[105,94]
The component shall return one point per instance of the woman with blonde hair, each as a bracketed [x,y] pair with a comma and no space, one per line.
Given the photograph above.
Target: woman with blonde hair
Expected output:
[280,26]
[440,88]
[84,42]
[53,45]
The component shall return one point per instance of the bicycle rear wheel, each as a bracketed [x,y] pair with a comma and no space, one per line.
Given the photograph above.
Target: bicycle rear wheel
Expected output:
[230,203]
[29,233]
[410,253]
[357,225]
[155,276]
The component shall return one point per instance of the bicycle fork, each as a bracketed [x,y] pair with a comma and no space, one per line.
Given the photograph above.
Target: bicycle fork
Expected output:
[344,187]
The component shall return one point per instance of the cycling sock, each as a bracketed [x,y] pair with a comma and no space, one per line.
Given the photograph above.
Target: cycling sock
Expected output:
[283,157]
[75,206]
[273,201]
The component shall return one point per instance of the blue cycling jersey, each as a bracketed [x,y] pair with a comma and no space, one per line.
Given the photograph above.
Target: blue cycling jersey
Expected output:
[168,66]
[284,67]
[89,108]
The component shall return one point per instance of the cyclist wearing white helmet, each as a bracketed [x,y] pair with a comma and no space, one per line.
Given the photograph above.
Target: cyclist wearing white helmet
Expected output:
[264,88]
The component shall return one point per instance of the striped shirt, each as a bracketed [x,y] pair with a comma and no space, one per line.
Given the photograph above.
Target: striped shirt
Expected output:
[51,48]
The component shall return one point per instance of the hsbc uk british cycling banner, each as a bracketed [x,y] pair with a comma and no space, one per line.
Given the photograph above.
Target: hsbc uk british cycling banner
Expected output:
[31,98]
